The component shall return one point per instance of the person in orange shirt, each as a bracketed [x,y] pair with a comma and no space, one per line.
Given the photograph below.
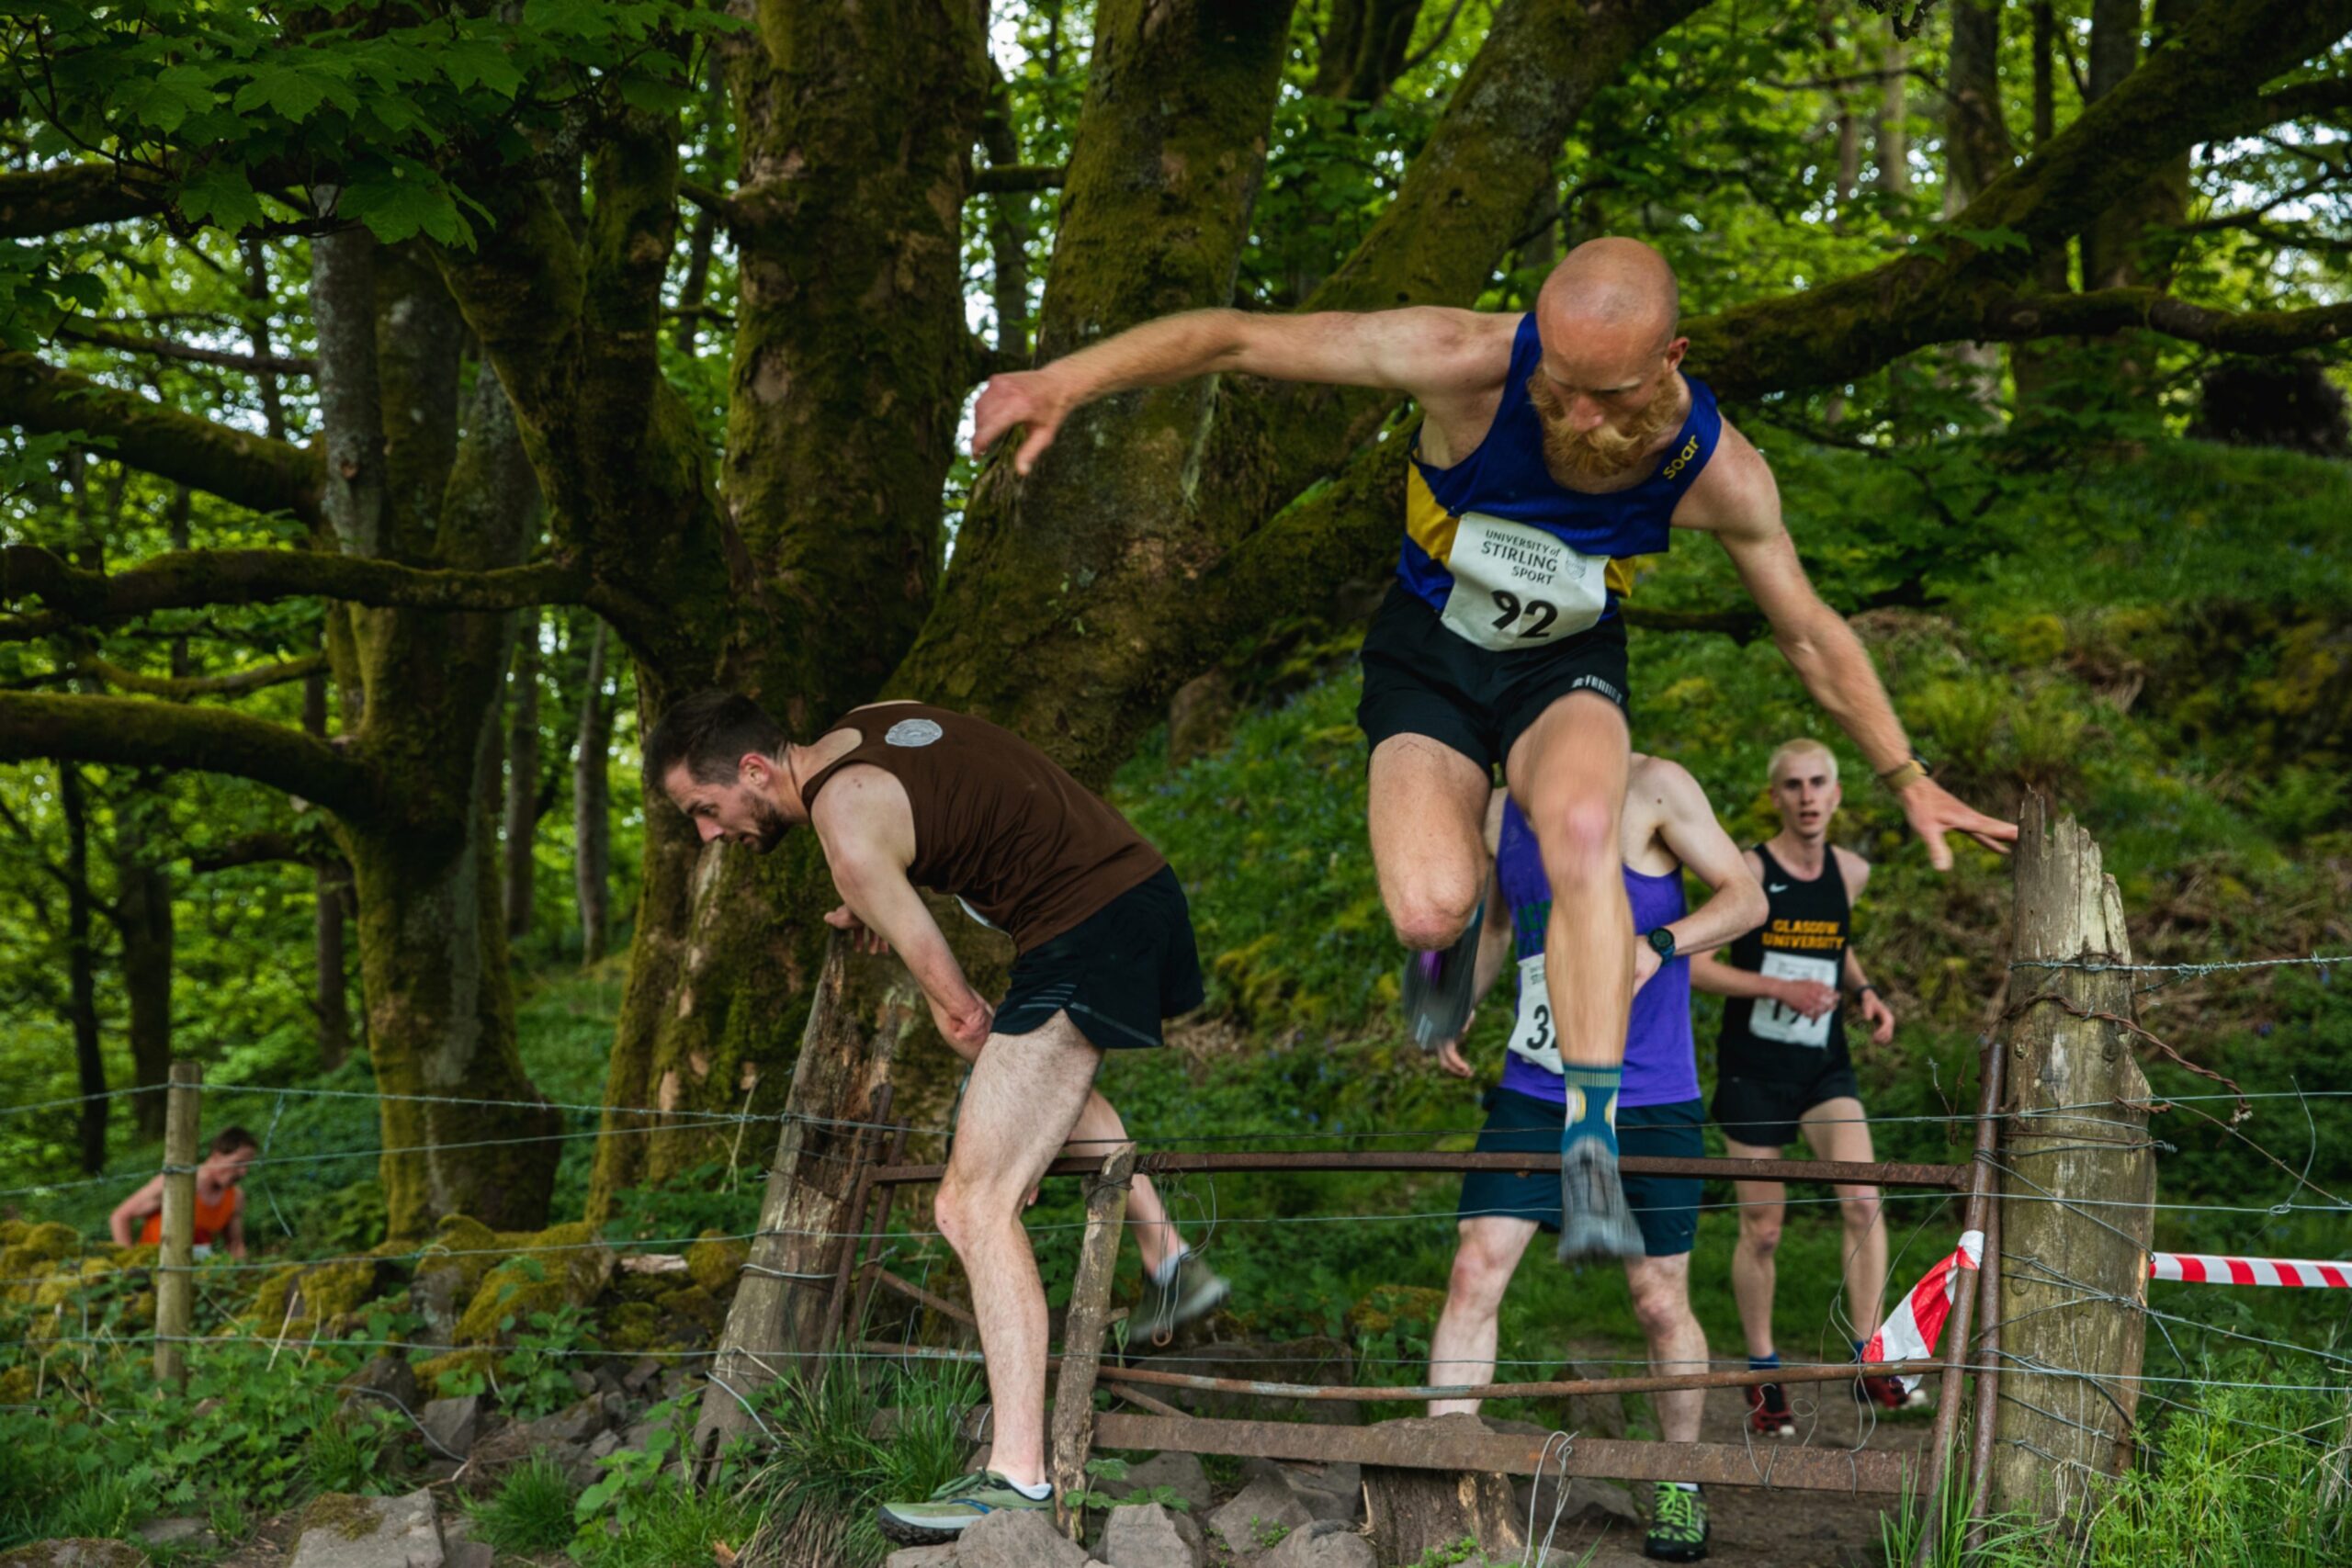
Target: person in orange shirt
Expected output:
[219,1203]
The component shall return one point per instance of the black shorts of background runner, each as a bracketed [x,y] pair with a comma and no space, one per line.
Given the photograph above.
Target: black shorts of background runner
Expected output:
[1118,972]
[1765,1112]
[1420,678]
[1666,1207]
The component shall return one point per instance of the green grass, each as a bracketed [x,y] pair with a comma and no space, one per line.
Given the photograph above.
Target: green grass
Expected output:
[531,1511]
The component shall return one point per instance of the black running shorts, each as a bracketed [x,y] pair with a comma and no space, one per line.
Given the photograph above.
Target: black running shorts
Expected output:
[1666,1207]
[1118,972]
[1765,1112]
[1420,678]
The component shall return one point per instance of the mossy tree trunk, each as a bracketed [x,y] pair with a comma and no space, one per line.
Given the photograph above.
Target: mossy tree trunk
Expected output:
[142,915]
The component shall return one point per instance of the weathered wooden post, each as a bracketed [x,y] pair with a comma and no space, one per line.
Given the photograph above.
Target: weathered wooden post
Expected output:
[1090,1314]
[174,1283]
[2078,1177]
[785,1297]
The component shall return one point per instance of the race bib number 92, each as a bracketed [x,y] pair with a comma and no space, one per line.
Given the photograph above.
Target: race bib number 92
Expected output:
[1517,586]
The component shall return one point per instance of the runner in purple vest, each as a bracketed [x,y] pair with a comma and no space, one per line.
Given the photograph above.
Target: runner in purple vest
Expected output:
[1554,445]
[1666,829]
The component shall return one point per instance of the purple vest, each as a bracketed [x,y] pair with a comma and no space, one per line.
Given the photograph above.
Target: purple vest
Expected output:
[1661,1065]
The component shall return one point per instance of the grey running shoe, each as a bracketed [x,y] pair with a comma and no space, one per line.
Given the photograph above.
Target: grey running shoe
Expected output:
[1594,1220]
[1436,991]
[1678,1525]
[942,1516]
[1163,1309]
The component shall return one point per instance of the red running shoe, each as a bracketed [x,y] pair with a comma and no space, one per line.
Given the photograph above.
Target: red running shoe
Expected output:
[1888,1394]
[1768,1411]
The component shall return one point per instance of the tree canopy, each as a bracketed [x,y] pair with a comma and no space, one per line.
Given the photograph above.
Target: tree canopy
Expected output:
[347,350]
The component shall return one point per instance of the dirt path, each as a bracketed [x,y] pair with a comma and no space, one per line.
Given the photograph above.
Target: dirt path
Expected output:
[1760,1527]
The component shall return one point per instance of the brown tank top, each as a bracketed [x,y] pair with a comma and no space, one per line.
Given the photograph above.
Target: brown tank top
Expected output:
[1026,847]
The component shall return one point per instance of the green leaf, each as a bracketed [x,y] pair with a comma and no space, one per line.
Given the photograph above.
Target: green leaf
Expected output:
[295,92]
[396,207]
[222,194]
[479,62]
[167,99]
[655,97]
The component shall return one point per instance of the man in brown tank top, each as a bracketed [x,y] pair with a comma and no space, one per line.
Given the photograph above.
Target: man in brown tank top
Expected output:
[905,796]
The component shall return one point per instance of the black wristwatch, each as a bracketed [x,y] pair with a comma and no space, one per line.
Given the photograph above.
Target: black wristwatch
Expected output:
[1661,941]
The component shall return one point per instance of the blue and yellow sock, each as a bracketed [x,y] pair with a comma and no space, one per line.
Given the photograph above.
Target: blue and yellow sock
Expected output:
[1593,1104]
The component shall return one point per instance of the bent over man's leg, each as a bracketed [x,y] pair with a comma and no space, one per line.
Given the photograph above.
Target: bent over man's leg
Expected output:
[1025,1094]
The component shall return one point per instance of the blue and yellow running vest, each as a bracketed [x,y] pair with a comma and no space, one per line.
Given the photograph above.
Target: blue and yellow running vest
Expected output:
[1509,557]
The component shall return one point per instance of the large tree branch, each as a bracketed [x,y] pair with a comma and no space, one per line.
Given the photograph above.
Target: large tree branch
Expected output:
[2329,98]
[2113,309]
[134,732]
[180,580]
[164,348]
[1011,178]
[235,465]
[73,195]
[182,688]
[263,849]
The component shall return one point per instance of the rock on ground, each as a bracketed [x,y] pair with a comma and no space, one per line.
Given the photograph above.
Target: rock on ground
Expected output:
[1150,1534]
[1266,1504]
[73,1554]
[193,1534]
[1017,1538]
[1319,1544]
[921,1557]
[343,1531]
[452,1424]
[1181,1473]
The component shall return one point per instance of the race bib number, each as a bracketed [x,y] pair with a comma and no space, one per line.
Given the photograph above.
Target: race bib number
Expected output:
[1517,586]
[1532,1036]
[1770,1021]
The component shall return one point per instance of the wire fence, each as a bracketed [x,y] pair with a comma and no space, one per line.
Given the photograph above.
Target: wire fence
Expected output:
[2191,1345]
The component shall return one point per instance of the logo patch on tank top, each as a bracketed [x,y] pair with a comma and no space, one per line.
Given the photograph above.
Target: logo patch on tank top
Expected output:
[913,732]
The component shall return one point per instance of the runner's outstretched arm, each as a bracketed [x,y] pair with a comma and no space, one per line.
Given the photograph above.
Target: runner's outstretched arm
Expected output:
[1736,501]
[133,1211]
[1426,350]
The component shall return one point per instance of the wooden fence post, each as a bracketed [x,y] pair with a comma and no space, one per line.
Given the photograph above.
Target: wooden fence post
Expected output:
[2078,1180]
[786,1292]
[174,1284]
[1090,1314]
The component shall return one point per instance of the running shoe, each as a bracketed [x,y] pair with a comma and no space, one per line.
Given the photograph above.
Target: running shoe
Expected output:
[1163,1309]
[1888,1394]
[1594,1219]
[1678,1524]
[941,1518]
[1437,986]
[1768,1411]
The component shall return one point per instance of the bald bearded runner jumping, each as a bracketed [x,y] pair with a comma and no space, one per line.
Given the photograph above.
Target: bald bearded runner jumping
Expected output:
[1555,446]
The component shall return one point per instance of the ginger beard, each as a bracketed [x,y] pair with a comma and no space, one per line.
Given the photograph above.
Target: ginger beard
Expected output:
[1606,450]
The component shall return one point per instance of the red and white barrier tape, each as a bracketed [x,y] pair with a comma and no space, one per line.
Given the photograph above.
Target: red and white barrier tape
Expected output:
[1910,1331]
[2204,1269]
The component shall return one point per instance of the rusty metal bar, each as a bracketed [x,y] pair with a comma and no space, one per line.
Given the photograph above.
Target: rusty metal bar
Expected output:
[878,1275]
[1947,1428]
[1849,1172]
[875,1233]
[1988,1375]
[1424,1445]
[1653,1383]
[862,1169]
[1145,1403]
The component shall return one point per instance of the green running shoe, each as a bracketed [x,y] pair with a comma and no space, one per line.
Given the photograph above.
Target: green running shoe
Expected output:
[1678,1525]
[941,1518]
[1164,1309]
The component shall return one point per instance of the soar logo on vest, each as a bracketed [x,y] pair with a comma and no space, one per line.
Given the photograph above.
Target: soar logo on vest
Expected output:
[1681,459]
